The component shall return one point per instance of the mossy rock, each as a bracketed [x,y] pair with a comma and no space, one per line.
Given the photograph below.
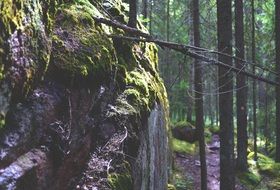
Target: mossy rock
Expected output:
[81,48]
[182,124]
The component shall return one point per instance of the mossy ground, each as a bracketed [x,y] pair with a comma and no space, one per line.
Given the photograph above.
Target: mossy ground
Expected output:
[184,147]
[182,182]
[263,174]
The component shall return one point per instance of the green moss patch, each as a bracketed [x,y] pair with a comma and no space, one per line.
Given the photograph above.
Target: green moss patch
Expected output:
[182,182]
[184,147]
[81,48]
[182,124]
[265,164]
[249,179]
[120,181]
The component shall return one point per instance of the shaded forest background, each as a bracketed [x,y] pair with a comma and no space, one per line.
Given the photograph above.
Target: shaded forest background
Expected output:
[177,69]
[175,21]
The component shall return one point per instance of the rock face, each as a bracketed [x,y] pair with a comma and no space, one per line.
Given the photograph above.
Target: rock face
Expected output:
[78,109]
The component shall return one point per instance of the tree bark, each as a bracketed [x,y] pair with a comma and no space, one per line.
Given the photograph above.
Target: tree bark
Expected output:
[132,13]
[145,10]
[190,66]
[277,42]
[227,175]
[151,16]
[199,121]
[241,94]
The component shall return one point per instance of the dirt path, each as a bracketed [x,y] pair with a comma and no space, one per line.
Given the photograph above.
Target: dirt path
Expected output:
[213,163]
[190,166]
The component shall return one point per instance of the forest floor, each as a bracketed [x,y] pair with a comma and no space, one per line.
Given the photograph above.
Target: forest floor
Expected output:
[189,166]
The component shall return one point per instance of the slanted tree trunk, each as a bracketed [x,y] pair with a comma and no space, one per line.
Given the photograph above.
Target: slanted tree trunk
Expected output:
[277,42]
[227,176]
[254,82]
[132,13]
[241,94]
[199,98]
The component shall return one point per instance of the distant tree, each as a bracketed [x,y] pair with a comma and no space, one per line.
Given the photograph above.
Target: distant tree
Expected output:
[199,121]
[145,9]
[190,66]
[241,94]
[254,82]
[277,42]
[227,174]
[151,15]
[132,13]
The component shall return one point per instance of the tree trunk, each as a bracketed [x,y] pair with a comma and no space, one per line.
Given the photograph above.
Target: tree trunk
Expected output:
[199,98]
[266,131]
[145,10]
[241,94]
[277,40]
[227,175]
[254,83]
[151,16]
[190,67]
[132,13]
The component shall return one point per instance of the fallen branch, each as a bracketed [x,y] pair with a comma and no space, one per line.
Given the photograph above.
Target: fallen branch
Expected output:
[185,49]
[122,26]
[128,29]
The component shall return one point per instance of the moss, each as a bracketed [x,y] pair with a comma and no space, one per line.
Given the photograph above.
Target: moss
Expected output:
[171,187]
[183,147]
[1,71]
[182,124]
[2,120]
[266,165]
[121,180]
[274,184]
[249,179]
[182,182]
[81,48]
[214,129]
